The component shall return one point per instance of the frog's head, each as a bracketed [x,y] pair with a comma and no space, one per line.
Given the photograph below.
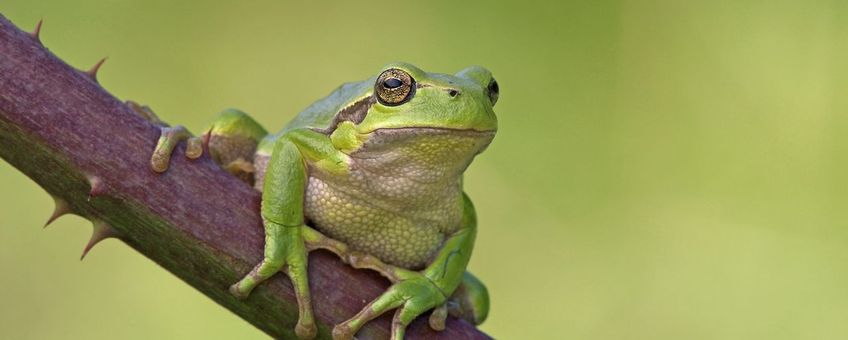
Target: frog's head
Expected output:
[407,97]
[430,122]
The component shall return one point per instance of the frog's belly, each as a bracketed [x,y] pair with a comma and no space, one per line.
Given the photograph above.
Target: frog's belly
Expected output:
[389,236]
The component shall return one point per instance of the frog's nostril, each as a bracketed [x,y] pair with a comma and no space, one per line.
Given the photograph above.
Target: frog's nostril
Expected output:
[453,93]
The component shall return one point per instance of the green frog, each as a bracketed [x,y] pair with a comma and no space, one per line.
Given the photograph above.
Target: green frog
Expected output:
[373,173]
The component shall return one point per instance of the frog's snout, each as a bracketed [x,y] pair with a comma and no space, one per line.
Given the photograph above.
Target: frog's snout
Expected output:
[484,78]
[478,74]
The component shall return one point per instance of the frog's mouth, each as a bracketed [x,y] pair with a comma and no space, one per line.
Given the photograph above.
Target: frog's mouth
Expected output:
[429,131]
[457,140]
[439,143]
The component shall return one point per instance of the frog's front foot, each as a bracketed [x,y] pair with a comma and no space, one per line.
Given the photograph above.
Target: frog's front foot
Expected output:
[411,297]
[286,251]
[168,140]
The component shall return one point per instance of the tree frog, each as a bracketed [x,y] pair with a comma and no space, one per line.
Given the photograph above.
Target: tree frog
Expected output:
[372,172]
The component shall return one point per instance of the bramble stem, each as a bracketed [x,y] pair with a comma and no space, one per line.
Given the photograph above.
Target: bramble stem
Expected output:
[91,151]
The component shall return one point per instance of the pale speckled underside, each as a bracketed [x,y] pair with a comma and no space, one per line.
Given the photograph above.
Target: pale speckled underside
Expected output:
[403,194]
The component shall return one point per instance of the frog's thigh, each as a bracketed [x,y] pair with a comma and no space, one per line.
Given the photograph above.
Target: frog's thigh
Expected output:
[233,138]
[470,301]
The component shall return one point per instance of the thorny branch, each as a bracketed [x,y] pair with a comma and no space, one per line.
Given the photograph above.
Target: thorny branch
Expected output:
[90,151]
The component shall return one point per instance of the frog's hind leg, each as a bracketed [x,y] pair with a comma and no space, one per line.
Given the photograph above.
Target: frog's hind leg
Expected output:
[470,301]
[232,141]
[168,139]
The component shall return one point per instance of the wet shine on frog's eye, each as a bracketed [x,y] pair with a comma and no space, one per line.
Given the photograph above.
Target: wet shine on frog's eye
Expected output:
[394,87]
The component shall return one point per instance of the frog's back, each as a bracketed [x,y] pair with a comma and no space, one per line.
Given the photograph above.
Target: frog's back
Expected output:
[320,115]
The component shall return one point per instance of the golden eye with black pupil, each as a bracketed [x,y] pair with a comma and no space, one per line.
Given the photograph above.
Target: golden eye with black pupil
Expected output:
[493,91]
[394,87]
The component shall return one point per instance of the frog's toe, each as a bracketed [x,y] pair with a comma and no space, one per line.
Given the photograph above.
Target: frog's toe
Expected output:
[389,300]
[306,331]
[168,140]
[240,166]
[305,328]
[410,310]
[315,240]
[238,292]
[194,147]
[261,272]
[343,332]
[395,274]
[438,317]
[411,297]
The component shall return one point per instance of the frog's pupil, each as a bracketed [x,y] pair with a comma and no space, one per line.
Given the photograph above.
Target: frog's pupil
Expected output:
[392,83]
[493,87]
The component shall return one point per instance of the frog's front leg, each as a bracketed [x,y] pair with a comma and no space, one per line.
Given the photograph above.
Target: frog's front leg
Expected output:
[417,292]
[287,238]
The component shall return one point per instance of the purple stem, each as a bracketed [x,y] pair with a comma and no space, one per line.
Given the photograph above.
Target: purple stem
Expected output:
[84,146]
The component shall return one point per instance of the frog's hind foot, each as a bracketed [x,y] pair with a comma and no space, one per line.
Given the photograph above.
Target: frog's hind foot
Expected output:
[169,138]
[242,169]
[233,139]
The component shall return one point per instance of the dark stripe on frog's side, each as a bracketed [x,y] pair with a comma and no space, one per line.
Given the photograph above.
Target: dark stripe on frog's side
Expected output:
[353,113]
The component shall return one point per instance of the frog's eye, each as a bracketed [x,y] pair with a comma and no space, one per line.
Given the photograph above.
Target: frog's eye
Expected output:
[394,87]
[493,91]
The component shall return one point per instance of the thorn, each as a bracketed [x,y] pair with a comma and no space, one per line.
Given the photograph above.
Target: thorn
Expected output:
[97,187]
[61,208]
[101,231]
[37,31]
[92,73]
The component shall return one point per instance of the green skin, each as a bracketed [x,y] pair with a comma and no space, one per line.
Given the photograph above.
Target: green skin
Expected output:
[376,180]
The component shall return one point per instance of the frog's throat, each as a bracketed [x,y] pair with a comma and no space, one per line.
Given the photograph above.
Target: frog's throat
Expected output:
[421,153]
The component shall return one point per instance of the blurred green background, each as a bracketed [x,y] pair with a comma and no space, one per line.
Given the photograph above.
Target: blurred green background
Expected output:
[663,170]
